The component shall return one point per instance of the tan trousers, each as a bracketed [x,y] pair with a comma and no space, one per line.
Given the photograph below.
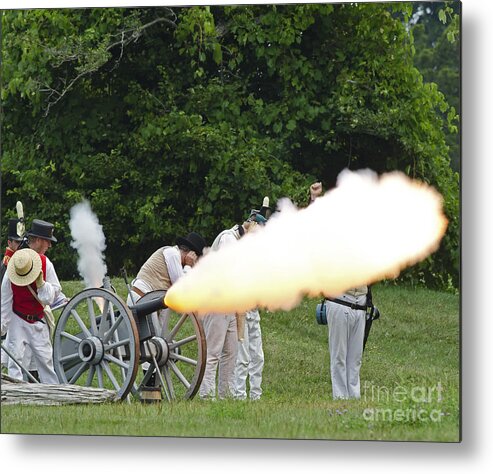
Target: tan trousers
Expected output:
[222,345]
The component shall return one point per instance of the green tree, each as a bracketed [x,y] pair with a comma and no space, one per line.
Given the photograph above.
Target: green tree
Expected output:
[168,119]
[436,40]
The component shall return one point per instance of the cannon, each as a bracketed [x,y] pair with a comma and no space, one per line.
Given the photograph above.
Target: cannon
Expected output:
[100,341]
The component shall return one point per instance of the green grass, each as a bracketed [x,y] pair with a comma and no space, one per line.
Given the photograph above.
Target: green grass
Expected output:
[409,377]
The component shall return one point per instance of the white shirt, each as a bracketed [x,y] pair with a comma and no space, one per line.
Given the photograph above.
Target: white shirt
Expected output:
[47,294]
[172,257]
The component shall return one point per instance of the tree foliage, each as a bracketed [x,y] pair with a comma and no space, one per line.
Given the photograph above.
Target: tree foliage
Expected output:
[172,119]
[436,39]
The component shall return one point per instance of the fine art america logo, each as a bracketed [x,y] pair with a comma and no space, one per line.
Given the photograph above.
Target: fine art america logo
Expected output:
[414,401]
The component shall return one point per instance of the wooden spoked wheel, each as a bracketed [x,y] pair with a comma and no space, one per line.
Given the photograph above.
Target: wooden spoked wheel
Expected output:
[96,342]
[180,354]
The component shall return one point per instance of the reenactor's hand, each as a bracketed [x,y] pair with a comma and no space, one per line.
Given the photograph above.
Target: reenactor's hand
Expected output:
[190,258]
[315,190]
[40,280]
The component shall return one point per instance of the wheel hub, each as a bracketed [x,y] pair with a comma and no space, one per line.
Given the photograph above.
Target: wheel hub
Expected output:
[161,350]
[91,350]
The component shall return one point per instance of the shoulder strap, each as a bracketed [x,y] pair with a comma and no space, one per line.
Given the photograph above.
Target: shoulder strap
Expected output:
[35,295]
[369,297]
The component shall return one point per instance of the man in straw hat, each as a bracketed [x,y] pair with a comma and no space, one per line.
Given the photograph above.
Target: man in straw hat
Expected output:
[29,284]
[223,331]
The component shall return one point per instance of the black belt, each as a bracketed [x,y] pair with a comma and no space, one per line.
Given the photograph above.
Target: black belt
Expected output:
[30,318]
[349,305]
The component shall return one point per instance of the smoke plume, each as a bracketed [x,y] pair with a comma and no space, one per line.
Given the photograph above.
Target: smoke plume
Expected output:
[89,241]
[366,229]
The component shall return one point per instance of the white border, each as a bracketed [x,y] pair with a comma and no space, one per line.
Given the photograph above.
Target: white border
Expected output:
[76,454]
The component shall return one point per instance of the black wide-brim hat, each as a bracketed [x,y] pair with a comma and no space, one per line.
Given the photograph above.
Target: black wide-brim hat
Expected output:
[42,229]
[193,241]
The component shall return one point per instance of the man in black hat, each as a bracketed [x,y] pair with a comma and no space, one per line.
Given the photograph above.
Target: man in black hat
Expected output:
[14,240]
[40,237]
[164,267]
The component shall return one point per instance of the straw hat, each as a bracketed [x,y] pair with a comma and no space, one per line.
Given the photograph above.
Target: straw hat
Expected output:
[24,267]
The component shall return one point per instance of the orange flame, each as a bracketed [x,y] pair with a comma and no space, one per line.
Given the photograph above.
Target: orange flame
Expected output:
[366,229]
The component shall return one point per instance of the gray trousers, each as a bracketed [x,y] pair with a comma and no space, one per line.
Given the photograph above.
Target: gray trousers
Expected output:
[346,332]
[222,344]
[250,360]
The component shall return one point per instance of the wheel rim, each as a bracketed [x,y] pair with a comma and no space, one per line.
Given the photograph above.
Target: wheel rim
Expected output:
[96,343]
[182,351]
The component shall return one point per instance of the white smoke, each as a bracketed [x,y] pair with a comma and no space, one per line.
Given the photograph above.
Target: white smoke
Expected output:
[366,229]
[89,241]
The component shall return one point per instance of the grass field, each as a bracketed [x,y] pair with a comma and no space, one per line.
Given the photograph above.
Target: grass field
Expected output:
[410,384]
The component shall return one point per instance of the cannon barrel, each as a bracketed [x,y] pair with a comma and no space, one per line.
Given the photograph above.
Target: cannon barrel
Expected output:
[148,307]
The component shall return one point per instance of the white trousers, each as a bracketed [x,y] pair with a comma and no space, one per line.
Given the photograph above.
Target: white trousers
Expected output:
[250,359]
[31,366]
[23,336]
[346,332]
[222,345]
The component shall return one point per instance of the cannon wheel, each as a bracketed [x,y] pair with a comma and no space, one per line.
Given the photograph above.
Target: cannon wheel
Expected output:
[180,375]
[96,343]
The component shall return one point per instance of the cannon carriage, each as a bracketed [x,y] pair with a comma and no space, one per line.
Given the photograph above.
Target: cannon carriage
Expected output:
[100,341]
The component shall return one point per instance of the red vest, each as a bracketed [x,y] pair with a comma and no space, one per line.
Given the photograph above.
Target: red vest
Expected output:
[24,301]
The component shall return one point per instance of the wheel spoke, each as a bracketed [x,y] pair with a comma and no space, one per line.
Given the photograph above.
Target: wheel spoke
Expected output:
[116,361]
[90,376]
[163,384]
[92,316]
[81,323]
[178,373]
[187,360]
[114,345]
[181,342]
[79,372]
[103,323]
[100,376]
[110,374]
[147,376]
[169,383]
[179,324]
[70,336]
[112,330]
